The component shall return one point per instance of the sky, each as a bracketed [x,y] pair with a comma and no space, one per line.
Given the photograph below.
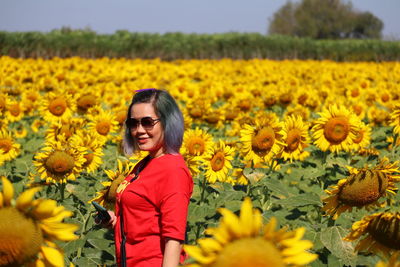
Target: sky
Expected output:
[161,16]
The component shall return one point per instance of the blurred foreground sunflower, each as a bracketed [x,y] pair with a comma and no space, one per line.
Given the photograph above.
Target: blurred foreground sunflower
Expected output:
[381,232]
[107,196]
[29,228]
[244,241]
[362,189]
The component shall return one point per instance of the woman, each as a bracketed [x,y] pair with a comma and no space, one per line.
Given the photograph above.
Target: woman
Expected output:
[152,202]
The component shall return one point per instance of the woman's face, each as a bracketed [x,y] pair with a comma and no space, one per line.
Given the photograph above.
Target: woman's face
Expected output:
[148,139]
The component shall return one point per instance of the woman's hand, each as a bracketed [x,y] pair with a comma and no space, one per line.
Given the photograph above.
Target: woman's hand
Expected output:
[110,223]
[172,252]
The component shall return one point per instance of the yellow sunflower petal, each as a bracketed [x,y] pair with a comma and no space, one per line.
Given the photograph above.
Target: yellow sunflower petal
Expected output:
[231,220]
[8,191]
[53,256]
[197,254]
[301,259]
[246,217]
[45,208]
[25,199]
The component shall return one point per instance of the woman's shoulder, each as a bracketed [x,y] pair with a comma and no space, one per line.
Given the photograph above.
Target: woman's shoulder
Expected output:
[172,163]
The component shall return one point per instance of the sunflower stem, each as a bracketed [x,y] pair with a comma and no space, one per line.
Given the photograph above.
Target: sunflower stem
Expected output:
[61,187]
[203,189]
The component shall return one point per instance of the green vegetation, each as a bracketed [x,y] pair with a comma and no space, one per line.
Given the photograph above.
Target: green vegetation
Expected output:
[170,46]
[325,19]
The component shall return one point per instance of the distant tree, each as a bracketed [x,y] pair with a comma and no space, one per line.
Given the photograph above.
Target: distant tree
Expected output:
[324,19]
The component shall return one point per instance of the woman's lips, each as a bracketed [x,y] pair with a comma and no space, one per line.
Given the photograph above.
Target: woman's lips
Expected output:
[142,140]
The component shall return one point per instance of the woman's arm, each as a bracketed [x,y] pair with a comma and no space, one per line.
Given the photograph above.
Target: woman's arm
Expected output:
[172,252]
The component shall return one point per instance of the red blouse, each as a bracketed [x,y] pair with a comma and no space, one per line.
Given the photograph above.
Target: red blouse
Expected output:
[154,207]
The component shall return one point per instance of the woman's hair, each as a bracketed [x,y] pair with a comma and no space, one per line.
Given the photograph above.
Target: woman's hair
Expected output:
[170,117]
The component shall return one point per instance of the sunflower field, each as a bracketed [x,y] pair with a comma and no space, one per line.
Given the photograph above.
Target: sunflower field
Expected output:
[295,163]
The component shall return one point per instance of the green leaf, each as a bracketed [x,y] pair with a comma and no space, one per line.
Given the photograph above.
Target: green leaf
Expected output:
[301,200]
[332,238]
[276,187]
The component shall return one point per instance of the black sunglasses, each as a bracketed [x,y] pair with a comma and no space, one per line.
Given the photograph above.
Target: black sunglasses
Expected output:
[146,122]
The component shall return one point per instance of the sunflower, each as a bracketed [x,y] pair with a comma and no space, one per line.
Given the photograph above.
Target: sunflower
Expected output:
[295,135]
[37,125]
[382,233]
[197,107]
[30,100]
[14,111]
[244,241]
[196,142]
[103,124]
[89,141]
[378,117]
[59,161]
[3,102]
[335,129]
[54,107]
[8,149]
[20,131]
[362,137]
[395,119]
[106,197]
[363,188]
[263,141]
[394,261]
[218,162]
[298,110]
[29,228]
[64,128]
[85,101]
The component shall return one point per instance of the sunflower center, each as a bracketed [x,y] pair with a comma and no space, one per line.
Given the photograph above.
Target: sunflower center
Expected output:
[196,112]
[363,188]
[255,252]
[212,118]
[20,237]
[263,140]
[217,162]
[293,140]
[58,106]
[385,97]
[386,230]
[14,109]
[231,114]
[103,127]
[355,92]
[86,101]
[196,146]
[336,130]
[112,191]
[286,99]
[5,145]
[244,104]
[59,163]
[357,109]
